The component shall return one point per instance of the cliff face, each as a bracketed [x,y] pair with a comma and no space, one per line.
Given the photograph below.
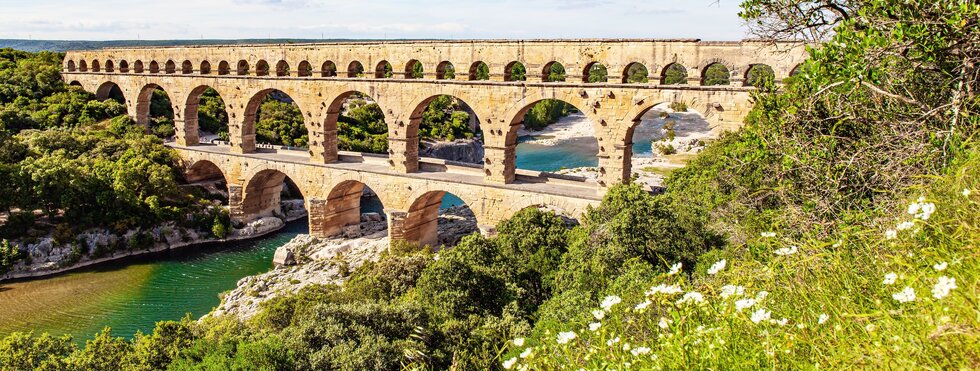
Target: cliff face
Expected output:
[462,150]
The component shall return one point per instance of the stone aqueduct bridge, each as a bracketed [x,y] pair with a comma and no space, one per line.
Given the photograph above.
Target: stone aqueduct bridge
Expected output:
[320,77]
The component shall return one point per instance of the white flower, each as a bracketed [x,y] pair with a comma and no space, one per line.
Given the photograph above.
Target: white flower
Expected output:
[761,295]
[823,318]
[609,301]
[565,337]
[906,295]
[786,251]
[891,234]
[921,209]
[664,323]
[509,363]
[664,289]
[781,322]
[717,266]
[692,297]
[943,287]
[519,342]
[599,314]
[643,305]
[526,353]
[908,224]
[731,290]
[761,315]
[626,346]
[639,351]
[612,341]
[768,234]
[940,266]
[966,192]
[890,278]
[743,304]
[594,326]
[674,269]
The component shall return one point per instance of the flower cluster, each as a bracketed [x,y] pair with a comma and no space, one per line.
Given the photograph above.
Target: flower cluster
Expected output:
[717,267]
[922,210]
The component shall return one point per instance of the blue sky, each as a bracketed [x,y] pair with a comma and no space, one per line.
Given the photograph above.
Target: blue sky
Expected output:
[233,19]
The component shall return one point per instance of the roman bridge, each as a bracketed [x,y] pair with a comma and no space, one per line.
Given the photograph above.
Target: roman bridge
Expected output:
[403,78]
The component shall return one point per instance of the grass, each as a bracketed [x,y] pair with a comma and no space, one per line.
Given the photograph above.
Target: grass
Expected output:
[814,303]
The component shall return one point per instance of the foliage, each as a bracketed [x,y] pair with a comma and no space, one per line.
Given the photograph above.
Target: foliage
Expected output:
[675,74]
[445,119]
[211,114]
[597,73]
[481,72]
[517,72]
[362,128]
[716,74]
[545,112]
[281,122]
[9,255]
[556,73]
[637,73]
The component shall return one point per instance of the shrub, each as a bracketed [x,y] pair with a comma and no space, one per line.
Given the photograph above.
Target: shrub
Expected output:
[678,106]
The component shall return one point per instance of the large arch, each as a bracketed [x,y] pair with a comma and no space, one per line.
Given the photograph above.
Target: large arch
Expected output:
[342,208]
[332,127]
[420,224]
[262,194]
[143,100]
[413,130]
[656,127]
[110,90]
[191,114]
[204,171]
[248,133]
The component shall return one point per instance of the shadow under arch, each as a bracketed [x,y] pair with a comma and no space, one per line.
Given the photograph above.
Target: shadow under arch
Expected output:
[420,224]
[343,207]
[204,171]
[262,194]
[110,90]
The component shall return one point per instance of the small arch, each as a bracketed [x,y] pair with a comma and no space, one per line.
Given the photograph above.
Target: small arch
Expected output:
[154,67]
[205,68]
[109,66]
[553,72]
[282,69]
[75,83]
[445,71]
[204,171]
[82,66]
[636,73]
[674,74]
[759,75]
[204,112]
[421,223]
[344,206]
[262,68]
[223,68]
[186,68]
[515,71]
[383,70]
[71,66]
[242,69]
[95,66]
[716,74]
[595,72]
[263,194]
[479,71]
[328,69]
[138,66]
[355,69]
[110,90]
[305,69]
[414,70]
[123,66]
[170,67]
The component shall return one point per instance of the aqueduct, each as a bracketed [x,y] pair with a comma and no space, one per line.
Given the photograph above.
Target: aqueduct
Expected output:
[319,77]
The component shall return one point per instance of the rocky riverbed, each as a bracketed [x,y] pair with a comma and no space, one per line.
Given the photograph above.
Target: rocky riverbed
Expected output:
[307,260]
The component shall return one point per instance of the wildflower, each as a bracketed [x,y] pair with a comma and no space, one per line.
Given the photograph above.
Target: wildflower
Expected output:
[966,192]
[838,243]
[940,266]
[781,322]
[594,326]
[786,251]
[664,289]
[609,301]
[921,209]
[943,287]
[664,323]
[435,257]
[890,278]
[760,315]
[768,234]
[717,266]
[674,269]
[643,305]
[509,363]
[526,353]
[599,314]
[519,342]
[906,295]
[565,337]
[891,234]
[870,327]
[905,225]
[692,296]
[744,304]
[823,318]
[626,346]
[612,341]
[640,351]
[731,290]
[761,295]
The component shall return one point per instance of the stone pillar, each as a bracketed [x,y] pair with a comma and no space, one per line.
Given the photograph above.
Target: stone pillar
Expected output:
[396,224]
[499,164]
[319,225]
[236,208]
[242,135]
[614,166]
[403,154]
[487,231]
[186,132]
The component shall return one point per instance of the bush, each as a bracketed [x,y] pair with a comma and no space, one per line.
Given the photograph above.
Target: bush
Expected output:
[678,106]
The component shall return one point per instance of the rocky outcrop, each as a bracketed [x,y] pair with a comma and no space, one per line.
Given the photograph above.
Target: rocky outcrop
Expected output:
[462,150]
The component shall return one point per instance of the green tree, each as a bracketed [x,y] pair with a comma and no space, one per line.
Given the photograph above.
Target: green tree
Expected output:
[717,74]
[675,74]
[281,123]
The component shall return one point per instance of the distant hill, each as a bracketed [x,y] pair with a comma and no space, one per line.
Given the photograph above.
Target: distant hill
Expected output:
[64,45]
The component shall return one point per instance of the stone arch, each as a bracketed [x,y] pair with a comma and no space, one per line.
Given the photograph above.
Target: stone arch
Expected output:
[170,67]
[625,135]
[479,71]
[95,66]
[796,70]
[247,134]
[595,72]
[223,68]
[383,70]
[673,74]
[154,67]
[355,69]
[757,74]
[282,68]
[186,67]
[191,115]
[420,223]
[109,67]
[138,66]
[110,90]
[305,69]
[202,171]
[143,104]
[636,73]
[328,69]
[71,66]
[262,193]
[515,71]
[77,84]
[331,142]
[414,69]
[205,68]
[341,208]
[553,71]
[242,68]
[82,66]
[123,66]
[445,71]
[415,120]
[262,68]
[715,74]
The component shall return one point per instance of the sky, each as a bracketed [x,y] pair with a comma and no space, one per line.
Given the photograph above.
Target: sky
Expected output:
[373,19]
